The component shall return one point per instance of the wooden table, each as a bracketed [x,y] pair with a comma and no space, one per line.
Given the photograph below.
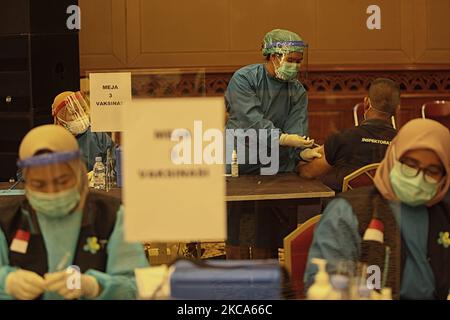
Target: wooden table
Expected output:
[289,188]
[285,186]
[244,190]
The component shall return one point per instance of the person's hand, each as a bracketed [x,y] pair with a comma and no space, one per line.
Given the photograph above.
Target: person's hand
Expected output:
[24,284]
[60,283]
[296,141]
[310,154]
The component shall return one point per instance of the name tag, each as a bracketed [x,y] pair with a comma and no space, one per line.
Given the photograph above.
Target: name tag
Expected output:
[20,242]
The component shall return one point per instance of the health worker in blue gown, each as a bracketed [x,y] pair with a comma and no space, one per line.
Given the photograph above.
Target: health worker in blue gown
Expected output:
[267,100]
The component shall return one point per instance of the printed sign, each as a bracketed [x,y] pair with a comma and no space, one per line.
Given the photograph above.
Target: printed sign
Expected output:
[109,94]
[174,188]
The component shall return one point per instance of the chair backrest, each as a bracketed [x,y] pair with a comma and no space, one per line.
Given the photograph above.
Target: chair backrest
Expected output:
[360,178]
[437,110]
[358,114]
[296,248]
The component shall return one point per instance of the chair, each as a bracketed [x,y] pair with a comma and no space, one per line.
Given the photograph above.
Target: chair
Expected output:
[437,110]
[358,113]
[360,178]
[296,248]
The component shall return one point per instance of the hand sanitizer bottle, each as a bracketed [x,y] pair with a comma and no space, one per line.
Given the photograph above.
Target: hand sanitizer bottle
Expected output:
[321,288]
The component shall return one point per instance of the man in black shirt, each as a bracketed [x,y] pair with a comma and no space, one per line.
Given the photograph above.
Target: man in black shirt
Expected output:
[356,147]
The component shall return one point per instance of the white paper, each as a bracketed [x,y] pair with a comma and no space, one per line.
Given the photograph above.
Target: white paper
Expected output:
[110,93]
[171,209]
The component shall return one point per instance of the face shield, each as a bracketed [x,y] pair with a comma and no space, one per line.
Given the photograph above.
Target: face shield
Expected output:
[54,182]
[291,59]
[73,113]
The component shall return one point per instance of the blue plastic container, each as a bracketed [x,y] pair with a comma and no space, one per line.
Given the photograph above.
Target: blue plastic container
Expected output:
[227,280]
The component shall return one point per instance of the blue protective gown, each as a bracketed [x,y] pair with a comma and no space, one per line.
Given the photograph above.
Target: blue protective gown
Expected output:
[337,238]
[256,100]
[94,144]
[61,236]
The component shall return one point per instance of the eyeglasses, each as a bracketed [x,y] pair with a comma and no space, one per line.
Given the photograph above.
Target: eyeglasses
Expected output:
[411,168]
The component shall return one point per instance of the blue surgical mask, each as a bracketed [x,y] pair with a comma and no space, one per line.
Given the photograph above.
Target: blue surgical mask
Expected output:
[287,71]
[54,205]
[414,191]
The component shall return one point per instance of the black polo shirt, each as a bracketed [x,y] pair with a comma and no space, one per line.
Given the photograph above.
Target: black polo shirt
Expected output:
[356,147]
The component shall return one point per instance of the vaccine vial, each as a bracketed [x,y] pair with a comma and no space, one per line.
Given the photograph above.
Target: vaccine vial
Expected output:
[234,165]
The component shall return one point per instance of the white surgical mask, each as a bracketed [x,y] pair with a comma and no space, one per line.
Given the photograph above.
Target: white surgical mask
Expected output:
[78,126]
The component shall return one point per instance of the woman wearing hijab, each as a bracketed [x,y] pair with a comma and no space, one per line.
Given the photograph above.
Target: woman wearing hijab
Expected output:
[61,241]
[401,224]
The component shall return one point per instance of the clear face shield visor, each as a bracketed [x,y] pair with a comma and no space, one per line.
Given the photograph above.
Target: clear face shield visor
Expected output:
[73,113]
[51,172]
[291,59]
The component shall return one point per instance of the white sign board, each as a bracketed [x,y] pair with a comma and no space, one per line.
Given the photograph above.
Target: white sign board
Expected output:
[174,189]
[109,94]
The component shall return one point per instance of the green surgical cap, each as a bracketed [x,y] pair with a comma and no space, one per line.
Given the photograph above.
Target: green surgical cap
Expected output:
[280,41]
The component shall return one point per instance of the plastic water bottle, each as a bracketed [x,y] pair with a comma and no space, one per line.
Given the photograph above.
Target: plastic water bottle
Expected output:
[99,174]
[110,174]
[118,166]
[234,165]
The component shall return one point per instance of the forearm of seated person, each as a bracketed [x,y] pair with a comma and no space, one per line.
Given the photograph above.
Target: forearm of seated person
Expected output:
[315,168]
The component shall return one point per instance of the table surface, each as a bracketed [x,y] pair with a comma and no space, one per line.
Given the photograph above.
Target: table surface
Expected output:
[278,187]
[254,187]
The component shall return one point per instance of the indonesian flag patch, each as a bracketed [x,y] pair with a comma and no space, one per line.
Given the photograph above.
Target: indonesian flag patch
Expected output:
[20,242]
[375,231]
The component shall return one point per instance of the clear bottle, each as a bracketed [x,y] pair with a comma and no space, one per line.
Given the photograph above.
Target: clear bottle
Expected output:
[110,173]
[99,174]
[118,166]
[341,290]
[234,165]
[364,292]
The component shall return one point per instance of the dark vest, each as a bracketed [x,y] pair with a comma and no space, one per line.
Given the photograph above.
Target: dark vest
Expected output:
[367,203]
[99,217]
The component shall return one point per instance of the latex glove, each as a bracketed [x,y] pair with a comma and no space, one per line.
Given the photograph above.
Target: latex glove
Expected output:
[24,284]
[60,282]
[296,141]
[310,154]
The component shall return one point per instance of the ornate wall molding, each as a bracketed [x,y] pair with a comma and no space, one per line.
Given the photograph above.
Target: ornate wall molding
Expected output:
[332,93]
[318,83]
[434,82]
